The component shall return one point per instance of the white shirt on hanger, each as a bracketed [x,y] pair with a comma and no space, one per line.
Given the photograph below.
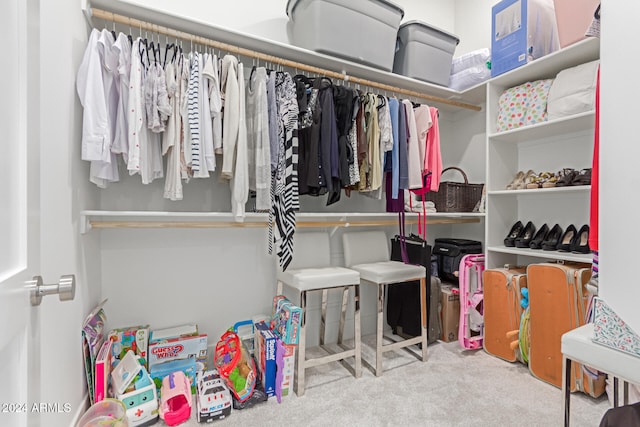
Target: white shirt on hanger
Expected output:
[231,114]
[413,150]
[96,131]
[172,135]
[240,179]
[135,108]
[99,98]
[121,137]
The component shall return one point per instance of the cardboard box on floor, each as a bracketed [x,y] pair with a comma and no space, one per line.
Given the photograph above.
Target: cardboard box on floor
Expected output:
[450,313]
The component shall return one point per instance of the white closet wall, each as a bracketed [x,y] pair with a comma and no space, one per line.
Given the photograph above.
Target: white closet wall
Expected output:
[619,154]
[473,24]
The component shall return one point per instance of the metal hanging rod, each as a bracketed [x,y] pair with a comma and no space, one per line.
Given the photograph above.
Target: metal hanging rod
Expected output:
[301,224]
[240,51]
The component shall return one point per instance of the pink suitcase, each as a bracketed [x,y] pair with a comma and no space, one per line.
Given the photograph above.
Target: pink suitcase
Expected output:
[574,17]
[470,331]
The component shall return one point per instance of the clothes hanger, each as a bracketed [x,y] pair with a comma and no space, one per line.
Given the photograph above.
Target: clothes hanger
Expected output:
[142,46]
[253,70]
[166,50]
[149,47]
[156,52]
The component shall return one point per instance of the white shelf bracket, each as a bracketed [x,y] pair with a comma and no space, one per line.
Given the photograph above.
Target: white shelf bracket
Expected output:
[85,225]
[86,11]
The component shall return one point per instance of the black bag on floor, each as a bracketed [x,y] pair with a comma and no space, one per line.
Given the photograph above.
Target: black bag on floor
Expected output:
[449,252]
[403,299]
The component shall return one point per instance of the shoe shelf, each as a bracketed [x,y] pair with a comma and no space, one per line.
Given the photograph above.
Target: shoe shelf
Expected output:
[537,253]
[538,191]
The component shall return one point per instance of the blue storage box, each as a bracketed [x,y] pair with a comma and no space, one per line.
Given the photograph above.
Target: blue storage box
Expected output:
[521,31]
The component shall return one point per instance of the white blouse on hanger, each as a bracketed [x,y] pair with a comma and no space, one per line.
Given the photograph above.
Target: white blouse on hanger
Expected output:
[121,137]
[231,116]
[413,149]
[259,150]
[95,85]
[171,138]
[240,179]
[205,116]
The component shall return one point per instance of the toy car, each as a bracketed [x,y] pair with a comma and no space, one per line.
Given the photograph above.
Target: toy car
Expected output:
[175,398]
[214,399]
[133,386]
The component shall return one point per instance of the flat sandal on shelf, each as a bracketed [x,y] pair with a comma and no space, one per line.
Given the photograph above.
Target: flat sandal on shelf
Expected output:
[542,180]
[582,178]
[566,177]
[518,181]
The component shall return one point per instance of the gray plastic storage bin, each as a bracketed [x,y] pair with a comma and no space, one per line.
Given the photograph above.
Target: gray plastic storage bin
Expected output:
[362,31]
[424,52]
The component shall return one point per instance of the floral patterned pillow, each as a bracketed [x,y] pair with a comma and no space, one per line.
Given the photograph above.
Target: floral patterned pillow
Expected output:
[512,107]
[538,96]
[523,105]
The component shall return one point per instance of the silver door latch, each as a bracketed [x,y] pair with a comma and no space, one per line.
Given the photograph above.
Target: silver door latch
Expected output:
[65,288]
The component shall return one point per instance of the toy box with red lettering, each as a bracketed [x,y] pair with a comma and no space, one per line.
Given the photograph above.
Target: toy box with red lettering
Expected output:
[193,347]
[214,399]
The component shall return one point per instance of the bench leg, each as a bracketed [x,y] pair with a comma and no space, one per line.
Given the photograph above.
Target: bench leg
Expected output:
[566,388]
[343,313]
[300,360]
[379,329]
[357,338]
[625,392]
[423,316]
[323,316]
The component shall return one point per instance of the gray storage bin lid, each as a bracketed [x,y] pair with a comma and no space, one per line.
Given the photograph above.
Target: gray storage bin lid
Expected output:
[429,28]
[291,4]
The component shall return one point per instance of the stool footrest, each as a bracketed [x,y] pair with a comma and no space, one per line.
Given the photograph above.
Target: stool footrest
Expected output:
[332,357]
[400,344]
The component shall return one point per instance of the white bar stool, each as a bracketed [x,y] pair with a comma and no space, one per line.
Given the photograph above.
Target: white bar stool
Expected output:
[368,253]
[311,270]
[577,346]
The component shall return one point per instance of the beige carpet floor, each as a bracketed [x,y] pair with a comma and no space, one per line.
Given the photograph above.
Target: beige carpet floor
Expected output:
[453,388]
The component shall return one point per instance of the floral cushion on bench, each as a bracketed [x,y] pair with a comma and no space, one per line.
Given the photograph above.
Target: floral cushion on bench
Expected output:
[610,330]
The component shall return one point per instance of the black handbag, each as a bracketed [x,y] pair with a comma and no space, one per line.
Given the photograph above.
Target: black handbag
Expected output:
[403,299]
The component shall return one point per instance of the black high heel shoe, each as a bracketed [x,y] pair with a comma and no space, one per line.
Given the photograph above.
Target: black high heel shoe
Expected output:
[540,236]
[515,231]
[550,242]
[580,242]
[524,238]
[564,245]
